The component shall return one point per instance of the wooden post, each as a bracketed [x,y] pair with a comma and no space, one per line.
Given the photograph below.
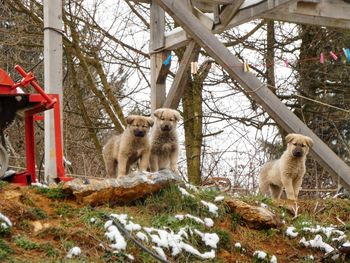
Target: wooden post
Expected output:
[179,83]
[254,88]
[157,42]
[53,78]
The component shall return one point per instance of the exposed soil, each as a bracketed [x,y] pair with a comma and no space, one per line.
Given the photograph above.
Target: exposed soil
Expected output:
[55,225]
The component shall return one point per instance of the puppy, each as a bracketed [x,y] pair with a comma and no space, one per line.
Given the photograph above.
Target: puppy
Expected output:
[132,146]
[164,140]
[288,171]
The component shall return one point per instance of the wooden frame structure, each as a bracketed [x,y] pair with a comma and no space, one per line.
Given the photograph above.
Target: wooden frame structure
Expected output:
[199,28]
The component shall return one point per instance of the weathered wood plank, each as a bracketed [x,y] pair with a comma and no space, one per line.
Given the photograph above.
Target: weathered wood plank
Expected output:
[257,90]
[179,83]
[320,13]
[177,38]
[157,41]
[229,11]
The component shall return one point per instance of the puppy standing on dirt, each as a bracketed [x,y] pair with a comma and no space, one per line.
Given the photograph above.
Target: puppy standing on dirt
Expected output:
[288,171]
[133,145]
[164,142]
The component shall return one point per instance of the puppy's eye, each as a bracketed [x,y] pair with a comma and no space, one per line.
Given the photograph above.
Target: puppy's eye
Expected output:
[171,119]
[162,118]
[294,143]
[303,145]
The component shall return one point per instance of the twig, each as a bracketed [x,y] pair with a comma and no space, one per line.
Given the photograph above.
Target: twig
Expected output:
[128,236]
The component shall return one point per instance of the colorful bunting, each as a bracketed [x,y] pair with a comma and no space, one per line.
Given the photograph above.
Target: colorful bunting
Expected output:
[167,61]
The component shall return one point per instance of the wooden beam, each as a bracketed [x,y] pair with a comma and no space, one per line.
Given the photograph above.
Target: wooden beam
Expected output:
[157,41]
[257,90]
[320,13]
[179,83]
[164,69]
[229,11]
[178,38]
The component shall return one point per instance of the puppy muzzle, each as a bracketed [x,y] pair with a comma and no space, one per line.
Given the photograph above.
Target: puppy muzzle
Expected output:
[297,153]
[139,133]
[166,127]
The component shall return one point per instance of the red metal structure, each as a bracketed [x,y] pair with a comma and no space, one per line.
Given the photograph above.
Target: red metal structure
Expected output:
[13,98]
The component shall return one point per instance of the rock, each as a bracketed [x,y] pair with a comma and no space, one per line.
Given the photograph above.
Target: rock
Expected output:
[254,216]
[38,226]
[123,190]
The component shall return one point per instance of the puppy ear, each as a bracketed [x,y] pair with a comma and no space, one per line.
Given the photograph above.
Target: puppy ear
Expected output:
[309,141]
[158,113]
[130,119]
[177,115]
[290,137]
[150,121]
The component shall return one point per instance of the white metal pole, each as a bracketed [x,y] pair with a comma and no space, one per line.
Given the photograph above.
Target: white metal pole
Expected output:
[53,78]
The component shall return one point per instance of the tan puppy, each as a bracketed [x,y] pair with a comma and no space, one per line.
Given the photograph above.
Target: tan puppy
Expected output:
[288,171]
[164,142]
[132,146]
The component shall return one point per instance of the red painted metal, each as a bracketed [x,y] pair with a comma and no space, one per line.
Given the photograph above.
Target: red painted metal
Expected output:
[37,103]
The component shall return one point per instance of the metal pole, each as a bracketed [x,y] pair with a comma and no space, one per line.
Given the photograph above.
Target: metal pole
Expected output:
[53,78]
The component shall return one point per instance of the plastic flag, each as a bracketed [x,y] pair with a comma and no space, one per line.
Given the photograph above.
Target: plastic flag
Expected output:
[246,67]
[321,58]
[167,61]
[194,67]
[333,55]
[286,62]
[347,54]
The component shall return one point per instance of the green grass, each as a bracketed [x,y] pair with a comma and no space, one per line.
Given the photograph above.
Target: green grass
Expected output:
[24,243]
[5,251]
[52,193]
[36,213]
[3,184]
[63,210]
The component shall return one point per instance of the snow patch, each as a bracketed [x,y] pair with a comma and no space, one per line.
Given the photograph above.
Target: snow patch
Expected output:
[219,198]
[259,254]
[208,222]
[317,242]
[160,252]
[210,239]
[74,251]
[212,208]
[184,192]
[273,259]
[114,235]
[291,232]
[142,236]
[6,220]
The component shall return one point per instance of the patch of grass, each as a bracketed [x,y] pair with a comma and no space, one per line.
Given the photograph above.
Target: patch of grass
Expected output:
[25,243]
[302,221]
[225,238]
[3,184]
[5,251]
[49,250]
[236,219]
[4,230]
[25,225]
[36,213]
[208,194]
[64,210]
[52,193]
[257,199]
[88,212]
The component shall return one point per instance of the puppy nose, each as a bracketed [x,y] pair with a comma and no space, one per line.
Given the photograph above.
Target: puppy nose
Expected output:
[139,133]
[166,127]
[297,153]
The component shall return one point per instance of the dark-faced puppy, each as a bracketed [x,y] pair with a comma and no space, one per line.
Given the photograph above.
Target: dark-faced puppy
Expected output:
[288,171]
[164,142]
[132,146]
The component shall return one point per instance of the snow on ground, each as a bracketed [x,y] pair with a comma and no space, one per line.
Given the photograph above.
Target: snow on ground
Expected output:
[210,239]
[317,242]
[163,239]
[238,245]
[291,232]
[328,231]
[142,236]
[74,251]
[7,222]
[208,222]
[219,198]
[184,192]
[212,208]
[273,259]
[259,254]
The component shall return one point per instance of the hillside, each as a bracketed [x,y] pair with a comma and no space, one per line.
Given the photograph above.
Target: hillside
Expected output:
[45,225]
